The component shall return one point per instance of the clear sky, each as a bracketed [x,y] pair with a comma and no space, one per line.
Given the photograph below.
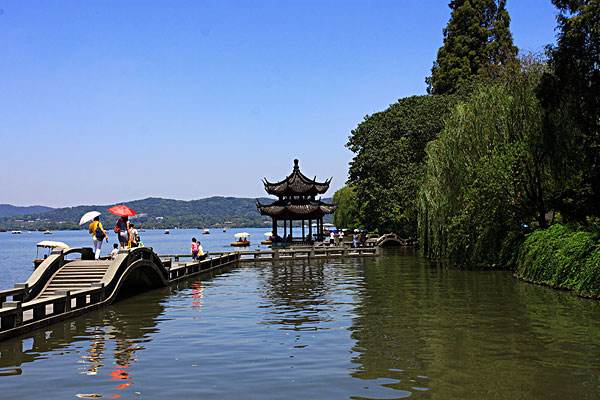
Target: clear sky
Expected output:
[106,101]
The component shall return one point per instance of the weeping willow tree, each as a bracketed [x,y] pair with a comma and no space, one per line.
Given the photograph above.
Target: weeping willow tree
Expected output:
[486,175]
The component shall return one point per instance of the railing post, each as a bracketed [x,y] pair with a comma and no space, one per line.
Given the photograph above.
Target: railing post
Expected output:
[23,295]
[16,318]
[98,296]
[345,252]
[275,254]
[67,301]
[377,250]
[311,253]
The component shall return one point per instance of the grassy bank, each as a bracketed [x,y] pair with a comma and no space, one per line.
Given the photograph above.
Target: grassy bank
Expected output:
[562,258]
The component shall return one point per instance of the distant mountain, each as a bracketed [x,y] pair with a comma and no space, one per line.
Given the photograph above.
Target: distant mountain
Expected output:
[7,210]
[153,213]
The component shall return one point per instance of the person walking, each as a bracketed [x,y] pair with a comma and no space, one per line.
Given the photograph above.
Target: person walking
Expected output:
[98,236]
[122,231]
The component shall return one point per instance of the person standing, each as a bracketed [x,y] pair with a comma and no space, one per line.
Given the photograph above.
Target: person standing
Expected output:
[195,249]
[122,231]
[134,237]
[98,236]
[115,251]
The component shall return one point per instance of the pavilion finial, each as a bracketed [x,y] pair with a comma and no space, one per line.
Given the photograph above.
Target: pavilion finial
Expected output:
[296,164]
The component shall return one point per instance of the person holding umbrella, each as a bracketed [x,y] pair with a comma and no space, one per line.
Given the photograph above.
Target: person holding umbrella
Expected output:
[98,235]
[95,229]
[122,225]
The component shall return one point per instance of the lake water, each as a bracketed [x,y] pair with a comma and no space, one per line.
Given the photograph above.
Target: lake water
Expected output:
[385,328]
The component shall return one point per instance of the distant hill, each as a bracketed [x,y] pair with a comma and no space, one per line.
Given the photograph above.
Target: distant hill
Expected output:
[153,213]
[7,210]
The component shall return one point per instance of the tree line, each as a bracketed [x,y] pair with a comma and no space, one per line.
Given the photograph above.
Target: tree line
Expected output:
[501,145]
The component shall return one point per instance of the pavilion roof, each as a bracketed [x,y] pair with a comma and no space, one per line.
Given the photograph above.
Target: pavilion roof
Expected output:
[299,209]
[297,184]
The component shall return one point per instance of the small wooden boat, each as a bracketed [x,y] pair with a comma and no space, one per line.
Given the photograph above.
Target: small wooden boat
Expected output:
[269,239]
[16,232]
[242,239]
[206,231]
[47,232]
[167,232]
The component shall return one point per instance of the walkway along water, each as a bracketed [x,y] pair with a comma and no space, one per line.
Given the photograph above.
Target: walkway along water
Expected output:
[62,287]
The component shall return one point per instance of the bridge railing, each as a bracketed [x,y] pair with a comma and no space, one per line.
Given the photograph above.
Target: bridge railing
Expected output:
[14,314]
[317,252]
[183,270]
[17,316]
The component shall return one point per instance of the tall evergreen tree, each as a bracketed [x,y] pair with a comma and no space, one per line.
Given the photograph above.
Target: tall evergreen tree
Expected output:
[571,96]
[476,39]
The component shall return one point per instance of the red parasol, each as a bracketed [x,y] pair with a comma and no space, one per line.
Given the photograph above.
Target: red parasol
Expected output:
[122,211]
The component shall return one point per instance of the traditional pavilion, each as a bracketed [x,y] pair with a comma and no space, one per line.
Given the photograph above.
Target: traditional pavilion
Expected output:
[297,202]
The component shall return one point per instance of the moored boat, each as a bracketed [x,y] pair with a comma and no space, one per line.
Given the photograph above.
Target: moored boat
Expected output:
[206,231]
[167,232]
[16,232]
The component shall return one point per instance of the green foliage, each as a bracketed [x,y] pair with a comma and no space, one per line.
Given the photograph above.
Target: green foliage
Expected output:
[563,258]
[389,149]
[570,93]
[485,176]
[477,40]
[346,215]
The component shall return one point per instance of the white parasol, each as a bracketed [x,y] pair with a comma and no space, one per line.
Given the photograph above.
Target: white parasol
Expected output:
[88,216]
[269,234]
[241,235]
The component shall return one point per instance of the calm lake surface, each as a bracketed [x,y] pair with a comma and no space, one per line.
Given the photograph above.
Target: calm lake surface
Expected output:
[386,328]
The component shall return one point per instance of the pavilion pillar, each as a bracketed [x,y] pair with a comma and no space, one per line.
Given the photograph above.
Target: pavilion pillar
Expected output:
[303,235]
[285,228]
[321,229]
[274,228]
[310,229]
[291,229]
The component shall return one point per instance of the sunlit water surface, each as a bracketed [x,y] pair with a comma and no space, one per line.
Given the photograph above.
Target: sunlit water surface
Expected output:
[386,328]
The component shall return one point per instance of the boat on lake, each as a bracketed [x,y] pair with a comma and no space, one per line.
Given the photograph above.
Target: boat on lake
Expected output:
[206,231]
[16,232]
[269,239]
[242,240]
[167,232]
[47,232]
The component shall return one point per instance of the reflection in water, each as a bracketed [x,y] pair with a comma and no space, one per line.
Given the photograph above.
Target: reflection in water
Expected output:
[197,295]
[384,328]
[112,337]
[455,334]
[297,294]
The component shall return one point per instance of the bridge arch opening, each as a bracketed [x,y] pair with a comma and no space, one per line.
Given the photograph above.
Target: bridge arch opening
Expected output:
[138,280]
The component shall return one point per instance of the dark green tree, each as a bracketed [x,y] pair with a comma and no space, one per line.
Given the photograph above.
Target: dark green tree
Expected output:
[346,215]
[486,174]
[570,94]
[476,40]
[389,149]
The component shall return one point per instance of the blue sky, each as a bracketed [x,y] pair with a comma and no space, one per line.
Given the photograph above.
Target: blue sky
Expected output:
[102,102]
